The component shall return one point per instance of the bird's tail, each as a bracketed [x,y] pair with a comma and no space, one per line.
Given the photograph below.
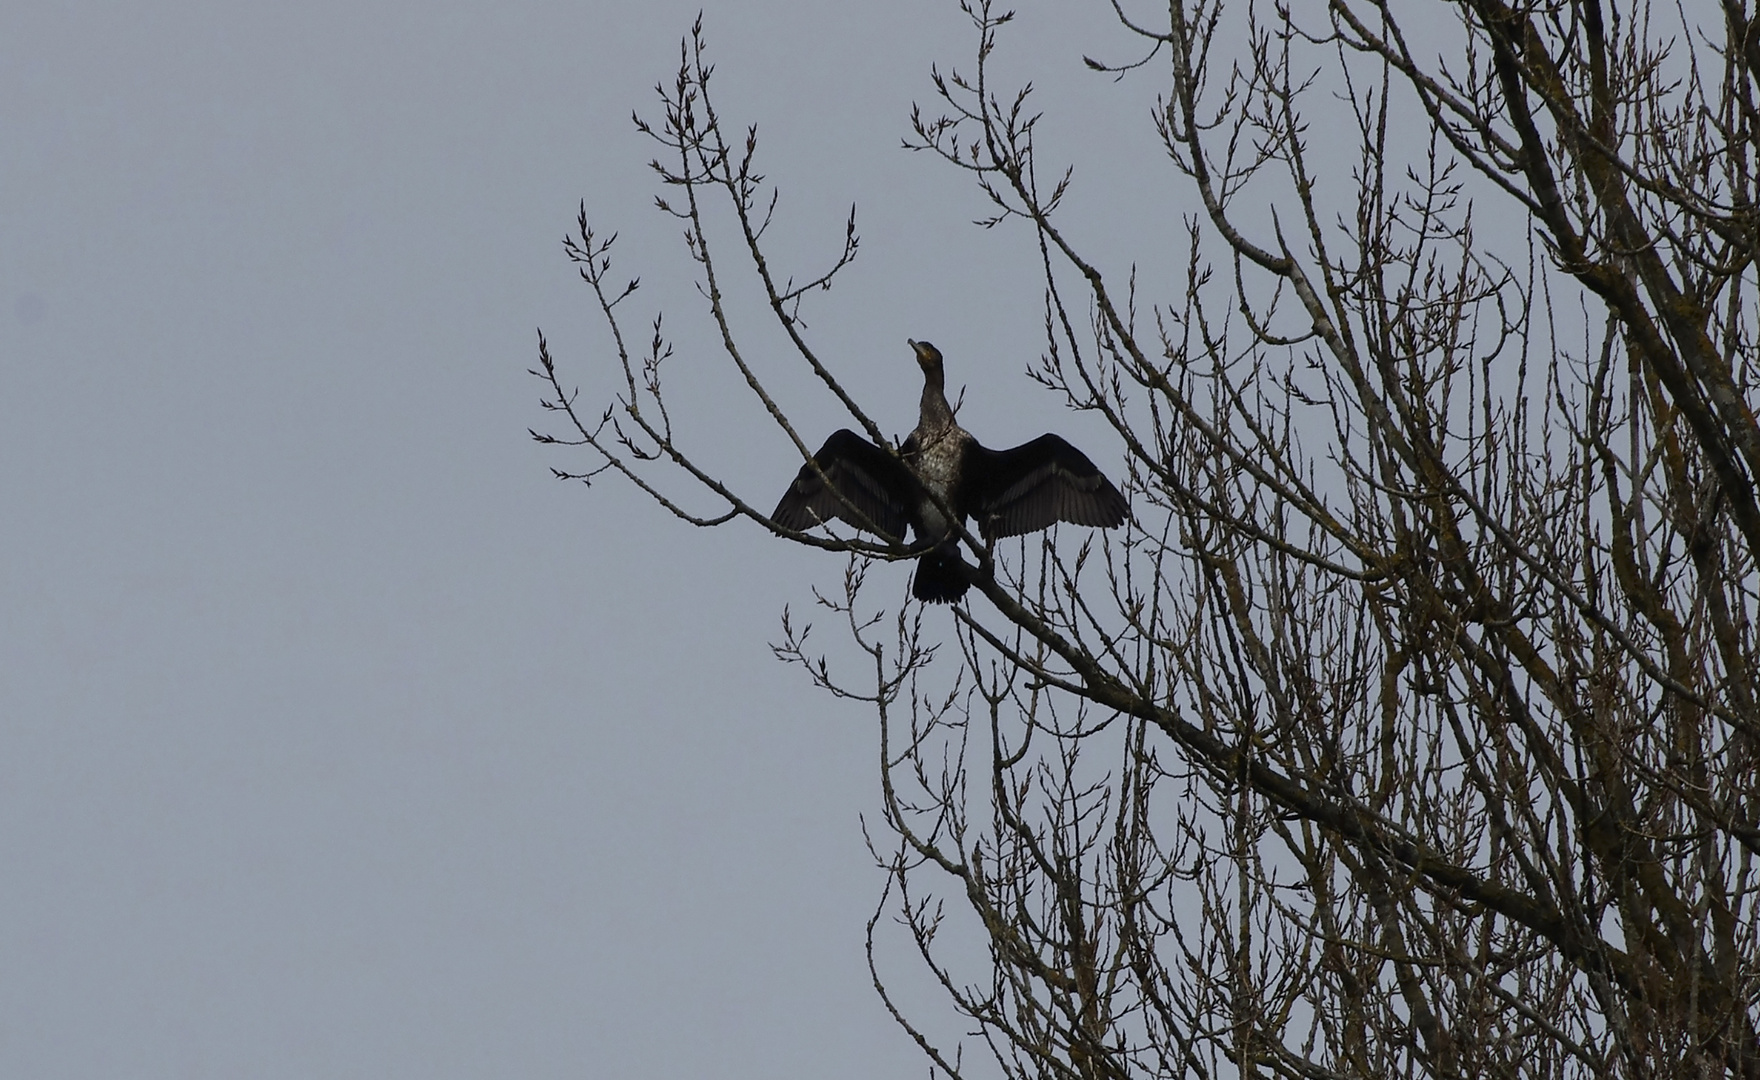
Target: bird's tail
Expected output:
[942,576]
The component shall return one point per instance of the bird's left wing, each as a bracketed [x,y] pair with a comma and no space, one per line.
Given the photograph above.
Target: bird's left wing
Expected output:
[862,484]
[1037,484]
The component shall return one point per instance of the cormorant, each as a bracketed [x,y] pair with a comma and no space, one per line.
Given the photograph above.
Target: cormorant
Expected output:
[1009,492]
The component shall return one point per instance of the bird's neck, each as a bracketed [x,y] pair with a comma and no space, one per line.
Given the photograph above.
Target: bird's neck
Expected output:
[936,415]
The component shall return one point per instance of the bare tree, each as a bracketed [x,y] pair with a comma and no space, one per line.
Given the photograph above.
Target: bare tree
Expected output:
[1411,729]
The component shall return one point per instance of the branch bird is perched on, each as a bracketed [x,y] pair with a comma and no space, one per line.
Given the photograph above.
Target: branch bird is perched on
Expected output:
[1009,492]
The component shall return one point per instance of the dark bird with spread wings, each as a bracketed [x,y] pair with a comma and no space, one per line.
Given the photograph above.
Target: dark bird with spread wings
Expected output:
[1010,492]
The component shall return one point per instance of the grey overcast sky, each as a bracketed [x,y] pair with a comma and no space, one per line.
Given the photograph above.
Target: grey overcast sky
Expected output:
[337,738]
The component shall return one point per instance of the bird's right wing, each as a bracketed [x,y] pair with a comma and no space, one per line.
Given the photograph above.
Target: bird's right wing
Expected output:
[868,487]
[1039,483]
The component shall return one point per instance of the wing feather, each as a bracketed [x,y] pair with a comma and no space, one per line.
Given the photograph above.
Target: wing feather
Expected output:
[862,485]
[1039,483]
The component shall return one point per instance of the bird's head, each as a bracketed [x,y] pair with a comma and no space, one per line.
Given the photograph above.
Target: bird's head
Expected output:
[928,356]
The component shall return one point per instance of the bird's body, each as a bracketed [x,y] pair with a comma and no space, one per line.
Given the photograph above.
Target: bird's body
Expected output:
[937,451]
[1009,492]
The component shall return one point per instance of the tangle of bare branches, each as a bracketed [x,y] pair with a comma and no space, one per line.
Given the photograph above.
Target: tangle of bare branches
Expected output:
[1410,727]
